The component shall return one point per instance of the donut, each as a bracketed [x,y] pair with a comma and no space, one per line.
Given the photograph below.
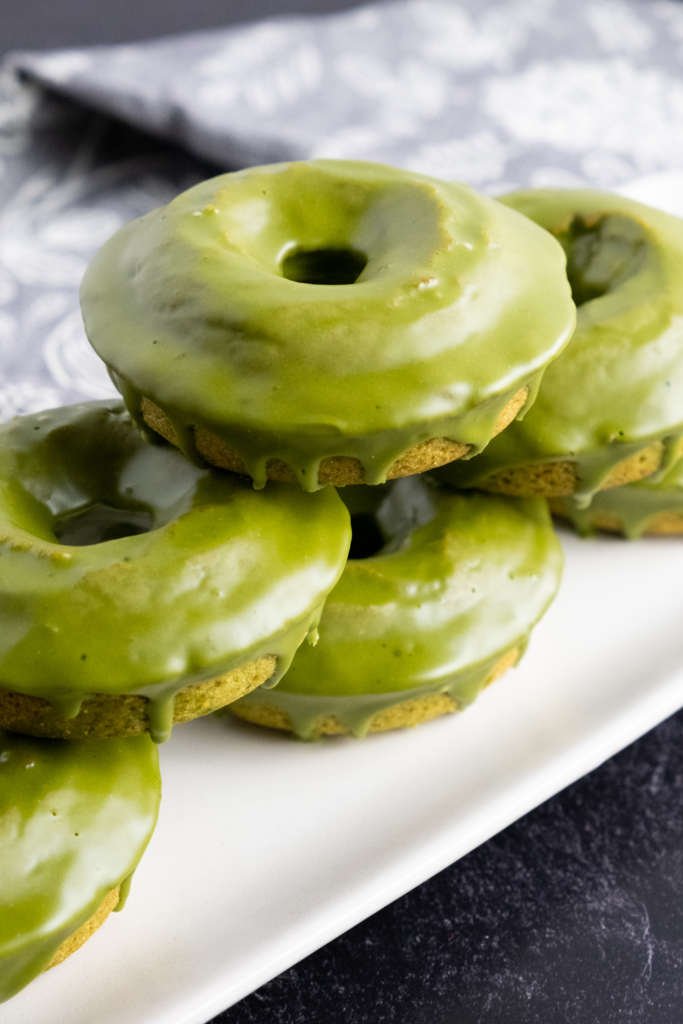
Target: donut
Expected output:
[610,407]
[438,598]
[648,507]
[75,819]
[137,589]
[327,322]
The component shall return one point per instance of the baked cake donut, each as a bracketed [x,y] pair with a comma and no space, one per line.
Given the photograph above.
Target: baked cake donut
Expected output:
[75,819]
[440,599]
[328,321]
[610,408]
[137,589]
[649,507]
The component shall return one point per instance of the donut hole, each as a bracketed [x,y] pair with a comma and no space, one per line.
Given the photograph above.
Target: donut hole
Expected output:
[98,521]
[334,265]
[384,518]
[602,253]
[367,538]
[83,475]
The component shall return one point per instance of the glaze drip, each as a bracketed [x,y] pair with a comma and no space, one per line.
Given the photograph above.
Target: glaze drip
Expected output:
[355,714]
[377,454]
[634,508]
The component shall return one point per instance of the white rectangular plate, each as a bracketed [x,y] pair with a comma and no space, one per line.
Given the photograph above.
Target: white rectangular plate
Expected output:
[267,848]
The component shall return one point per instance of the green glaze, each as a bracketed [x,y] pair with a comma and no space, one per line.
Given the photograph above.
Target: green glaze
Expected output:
[223,576]
[633,506]
[460,303]
[461,580]
[75,819]
[618,386]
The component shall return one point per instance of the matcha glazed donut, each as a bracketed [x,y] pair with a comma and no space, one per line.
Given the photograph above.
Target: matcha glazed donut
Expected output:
[652,507]
[328,321]
[610,408]
[420,626]
[75,819]
[137,589]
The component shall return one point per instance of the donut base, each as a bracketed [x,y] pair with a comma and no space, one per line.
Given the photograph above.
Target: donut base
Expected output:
[663,524]
[81,935]
[337,470]
[402,715]
[561,479]
[103,716]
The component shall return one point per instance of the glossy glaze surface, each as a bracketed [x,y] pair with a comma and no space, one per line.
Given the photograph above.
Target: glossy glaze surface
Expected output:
[459,304]
[619,383]
[75,819]
[461,579]
[222,576]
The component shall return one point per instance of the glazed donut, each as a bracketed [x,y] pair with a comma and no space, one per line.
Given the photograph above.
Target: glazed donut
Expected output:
[610,407]
[328,321]
[420,626]
[75,819]
[137,589]
[649,507]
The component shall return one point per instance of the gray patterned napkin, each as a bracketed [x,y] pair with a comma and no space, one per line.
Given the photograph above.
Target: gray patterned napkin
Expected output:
[493,92]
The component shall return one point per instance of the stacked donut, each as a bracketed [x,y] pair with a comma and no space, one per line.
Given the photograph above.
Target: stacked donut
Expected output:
[287,340]
[604,439]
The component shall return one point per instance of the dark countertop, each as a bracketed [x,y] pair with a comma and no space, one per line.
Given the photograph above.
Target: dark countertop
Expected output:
[574,913]
[42,24]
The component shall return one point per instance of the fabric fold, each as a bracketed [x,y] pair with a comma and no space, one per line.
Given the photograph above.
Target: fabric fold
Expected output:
[493,92]
[496,93]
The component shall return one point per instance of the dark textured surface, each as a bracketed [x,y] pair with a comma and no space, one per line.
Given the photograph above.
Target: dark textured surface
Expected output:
[573,914]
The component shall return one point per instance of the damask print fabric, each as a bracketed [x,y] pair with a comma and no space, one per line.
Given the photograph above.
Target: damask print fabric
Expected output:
[497,93]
